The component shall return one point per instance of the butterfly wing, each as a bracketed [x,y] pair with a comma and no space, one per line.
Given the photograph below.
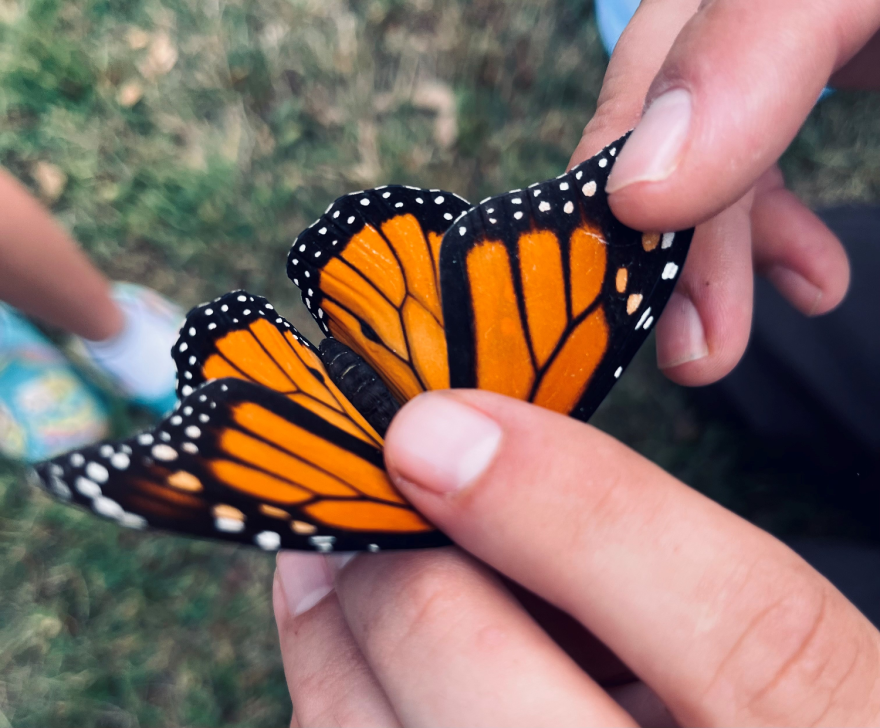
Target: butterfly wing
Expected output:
[547,296]
[240,462]
[241,335]
[368,271]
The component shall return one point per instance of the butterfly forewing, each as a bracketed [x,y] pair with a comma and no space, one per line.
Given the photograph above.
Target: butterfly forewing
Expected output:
[547,296]
[368,271]
[240,462]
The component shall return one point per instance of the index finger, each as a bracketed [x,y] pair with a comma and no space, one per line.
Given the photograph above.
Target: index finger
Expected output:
[725,623]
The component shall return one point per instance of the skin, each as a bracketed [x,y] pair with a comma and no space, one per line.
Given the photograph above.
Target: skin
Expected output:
[716,621]
[45,274]
[588,586]
[752,87]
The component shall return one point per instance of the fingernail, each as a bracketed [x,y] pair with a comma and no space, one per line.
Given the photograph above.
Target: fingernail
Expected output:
[653,151]
[797,289]
[337,562]
[680,334]
[441,444]
[305,580]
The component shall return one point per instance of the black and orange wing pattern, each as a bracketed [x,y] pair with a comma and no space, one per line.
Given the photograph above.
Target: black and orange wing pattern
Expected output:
[540,294]
[368,272]
[240,462]
[547,296]
[241,335]
[263,448]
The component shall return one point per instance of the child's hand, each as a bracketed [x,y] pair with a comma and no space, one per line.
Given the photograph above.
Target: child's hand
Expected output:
[721,621]
[728,86]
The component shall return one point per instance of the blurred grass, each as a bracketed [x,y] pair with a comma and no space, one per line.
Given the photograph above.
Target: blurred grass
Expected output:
[185,144]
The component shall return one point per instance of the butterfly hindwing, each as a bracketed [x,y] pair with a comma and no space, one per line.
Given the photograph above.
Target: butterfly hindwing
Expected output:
[241,462]
[547,296]
[241,335]
[368,271]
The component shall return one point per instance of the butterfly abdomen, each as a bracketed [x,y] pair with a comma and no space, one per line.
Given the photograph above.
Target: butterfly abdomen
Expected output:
[359,383]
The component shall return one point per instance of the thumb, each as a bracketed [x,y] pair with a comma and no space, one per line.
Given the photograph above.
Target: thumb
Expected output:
[736,86]
[637,58]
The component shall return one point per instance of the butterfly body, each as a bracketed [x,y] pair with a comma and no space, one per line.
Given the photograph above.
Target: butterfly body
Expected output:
[539,294]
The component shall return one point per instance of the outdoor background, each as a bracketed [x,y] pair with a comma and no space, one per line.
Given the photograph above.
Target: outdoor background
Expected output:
[185,143]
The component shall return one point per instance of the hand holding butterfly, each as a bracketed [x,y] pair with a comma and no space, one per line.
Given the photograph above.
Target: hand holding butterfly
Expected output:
[736,80]
[721,623]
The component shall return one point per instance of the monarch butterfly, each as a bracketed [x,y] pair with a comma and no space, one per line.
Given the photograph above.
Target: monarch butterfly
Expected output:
[539,294]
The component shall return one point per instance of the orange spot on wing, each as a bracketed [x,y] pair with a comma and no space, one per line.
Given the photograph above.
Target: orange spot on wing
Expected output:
[257,483]
[244,351]
[361,297]
[427,345]
[406,237]
[621,279]
[302,527]
[568,375]
[369,253]
[273,512]
[587,258]
[328,456]
[503,360]
[251,450]
[367,516]
[633,303]
[543,281]
[182,480]
[650,241]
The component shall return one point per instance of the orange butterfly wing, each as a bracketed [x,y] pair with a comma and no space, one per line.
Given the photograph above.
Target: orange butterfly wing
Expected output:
[547,296]
[368,271]
[263,448]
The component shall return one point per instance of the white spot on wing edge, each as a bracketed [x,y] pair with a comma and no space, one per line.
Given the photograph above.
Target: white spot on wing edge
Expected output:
[88,488]
[670,271]
[163,452]
[120,461]
[107,507]
[645,314]
[229,525]
[618,372]
[97,472]
[324,544]
[667,240]
[268,540]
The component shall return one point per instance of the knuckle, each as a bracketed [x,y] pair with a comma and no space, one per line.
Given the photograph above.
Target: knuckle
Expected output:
[427,593]
[795,657]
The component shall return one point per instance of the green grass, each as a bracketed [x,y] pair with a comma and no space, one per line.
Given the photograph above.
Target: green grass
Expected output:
[272,109]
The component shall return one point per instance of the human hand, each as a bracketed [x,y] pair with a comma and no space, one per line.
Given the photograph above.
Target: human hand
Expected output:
[721,623]
[728,83]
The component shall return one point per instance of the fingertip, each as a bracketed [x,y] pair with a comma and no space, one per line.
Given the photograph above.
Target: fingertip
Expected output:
[692,361]
[441,444]
[305,579]
[681,338]
[797,252]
